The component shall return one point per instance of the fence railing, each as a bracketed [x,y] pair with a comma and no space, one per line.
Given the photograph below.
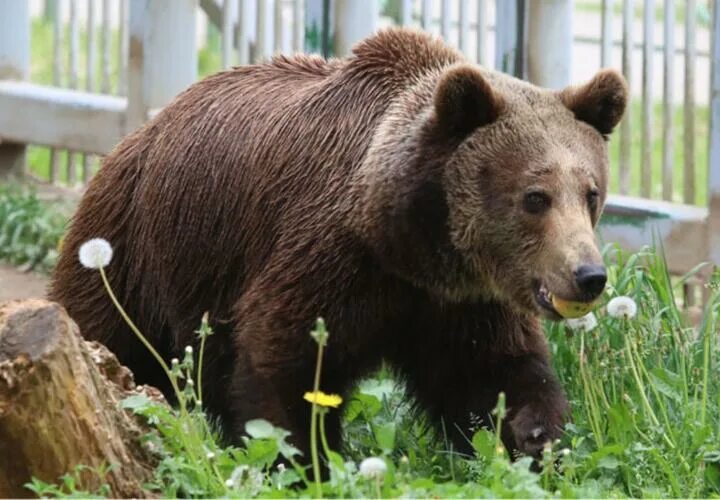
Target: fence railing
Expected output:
[115,61]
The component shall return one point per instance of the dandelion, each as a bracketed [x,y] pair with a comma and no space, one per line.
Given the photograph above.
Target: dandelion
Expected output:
[373,467]
[322,399]
[565,452]
[188,349]
[210,455]
[174,361]
[622,307]
[584,323]
[229,483]
[95,253]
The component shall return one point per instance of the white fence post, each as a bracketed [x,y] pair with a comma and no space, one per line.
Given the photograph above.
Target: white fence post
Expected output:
[163,59]
[550,43]
[14,65]
[713,226]
[354,20]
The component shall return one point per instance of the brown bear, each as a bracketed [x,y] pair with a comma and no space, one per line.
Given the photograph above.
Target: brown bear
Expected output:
[427,208]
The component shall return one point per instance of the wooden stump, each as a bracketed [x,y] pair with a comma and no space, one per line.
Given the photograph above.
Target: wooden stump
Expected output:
[59,405]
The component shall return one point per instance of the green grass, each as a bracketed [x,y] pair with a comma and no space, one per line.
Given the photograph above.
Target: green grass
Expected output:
[30,229]
[645,398]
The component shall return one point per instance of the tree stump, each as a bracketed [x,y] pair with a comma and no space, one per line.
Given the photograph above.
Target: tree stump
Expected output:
[60,406]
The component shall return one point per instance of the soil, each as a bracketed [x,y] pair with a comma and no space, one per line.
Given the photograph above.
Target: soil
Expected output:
[15,284]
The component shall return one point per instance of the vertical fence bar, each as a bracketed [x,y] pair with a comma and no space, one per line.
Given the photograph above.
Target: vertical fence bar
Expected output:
[87,159]
[668,95]
[689,103]
[57,78]
[354,20]
[163,56]
[298,26]
[625,162]
[14,64]
[406,14]
[445,20]
[278,26]
[464,31]
[243,44]
[106,46]
[426,15]
[74,49]
[481,31]
[227,33]
[713,226]
[123,48]
[550,43]
[607,37]
[647,98]
[261,48]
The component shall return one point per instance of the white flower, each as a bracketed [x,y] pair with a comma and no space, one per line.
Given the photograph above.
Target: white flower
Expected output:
[565,452]
[373,467]
[229,483]
[210,455]
[175,361]
[188,349]
[622,307]
[95,253]
[583,323]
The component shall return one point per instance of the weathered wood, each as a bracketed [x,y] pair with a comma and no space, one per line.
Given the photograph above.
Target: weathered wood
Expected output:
[481,45]
[646,186]
[71,119]
[163,56]
[106,45]
[625,163]
[689,115]
[464,31]
[426,15]
[14,64]
[298,26]
[606,40]
[550,43]
[668,160]
[713,226]
[636,222]
[59,405]
[445,20]
[57,79]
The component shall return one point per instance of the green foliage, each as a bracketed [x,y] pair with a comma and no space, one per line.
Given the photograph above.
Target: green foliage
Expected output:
[30,229]
[646,418]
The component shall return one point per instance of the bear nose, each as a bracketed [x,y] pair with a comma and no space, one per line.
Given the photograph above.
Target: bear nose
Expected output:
[591,279]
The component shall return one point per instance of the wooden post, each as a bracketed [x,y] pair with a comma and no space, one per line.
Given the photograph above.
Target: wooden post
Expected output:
[14,65]
[713,226]
[510,33]
[354,20]
[163,59]
[550,43]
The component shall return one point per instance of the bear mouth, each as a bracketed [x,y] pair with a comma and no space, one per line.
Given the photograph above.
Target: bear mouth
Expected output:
[543,298]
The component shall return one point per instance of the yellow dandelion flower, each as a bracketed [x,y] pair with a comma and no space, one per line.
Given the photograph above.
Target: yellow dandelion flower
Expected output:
[322,399]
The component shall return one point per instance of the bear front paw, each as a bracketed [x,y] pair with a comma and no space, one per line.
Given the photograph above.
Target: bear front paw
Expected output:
[532,428]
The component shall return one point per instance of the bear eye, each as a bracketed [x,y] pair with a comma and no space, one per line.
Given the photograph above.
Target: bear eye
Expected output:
[536,202]
[592,199]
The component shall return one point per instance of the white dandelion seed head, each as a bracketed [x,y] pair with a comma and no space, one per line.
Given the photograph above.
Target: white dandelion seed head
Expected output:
[373,467]
[583,323]
[565,452]
[281,468]
[622,307]
[175,361]
[189,349]
[229,483]
[95,253]
[210,455]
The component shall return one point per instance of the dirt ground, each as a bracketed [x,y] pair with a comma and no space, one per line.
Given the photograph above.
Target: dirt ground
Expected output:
[18,285]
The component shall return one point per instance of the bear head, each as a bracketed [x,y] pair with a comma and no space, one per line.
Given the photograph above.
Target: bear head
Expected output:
[478,185]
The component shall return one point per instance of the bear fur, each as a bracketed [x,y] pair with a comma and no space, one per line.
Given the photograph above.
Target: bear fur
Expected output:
[420,204]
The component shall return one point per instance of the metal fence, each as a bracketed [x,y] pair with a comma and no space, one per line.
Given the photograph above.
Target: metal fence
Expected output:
[115,61]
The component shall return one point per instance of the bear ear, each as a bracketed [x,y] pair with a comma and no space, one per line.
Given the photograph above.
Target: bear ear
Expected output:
[600,102]
[464,101]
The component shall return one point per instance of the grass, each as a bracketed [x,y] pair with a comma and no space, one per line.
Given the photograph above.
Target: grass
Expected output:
[644,392]
[30,229]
